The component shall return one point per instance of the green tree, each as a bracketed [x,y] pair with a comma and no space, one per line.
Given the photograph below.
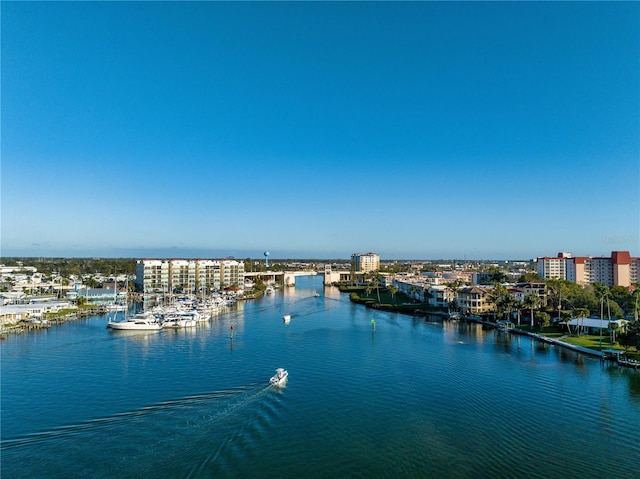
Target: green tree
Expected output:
[373,279]
[528,277]
[544,319]
[630,338]
[531,301]
[392,290]
[508,304]
[496,275]
[495,297]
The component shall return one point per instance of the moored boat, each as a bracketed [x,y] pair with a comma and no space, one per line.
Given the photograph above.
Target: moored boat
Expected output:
[178,322]
[137,325]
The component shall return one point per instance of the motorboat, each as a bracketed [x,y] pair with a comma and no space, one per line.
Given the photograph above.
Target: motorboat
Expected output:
[137,322]
[317,295]
[286,318]
[280,378]
[178,322]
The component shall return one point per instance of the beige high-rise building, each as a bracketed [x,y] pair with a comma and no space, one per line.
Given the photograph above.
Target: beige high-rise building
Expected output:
[364,262]
[189,275]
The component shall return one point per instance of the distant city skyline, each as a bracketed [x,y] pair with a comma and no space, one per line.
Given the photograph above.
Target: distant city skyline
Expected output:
[416,130]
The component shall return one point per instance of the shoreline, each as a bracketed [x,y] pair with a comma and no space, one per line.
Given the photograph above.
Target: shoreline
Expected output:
[628,363]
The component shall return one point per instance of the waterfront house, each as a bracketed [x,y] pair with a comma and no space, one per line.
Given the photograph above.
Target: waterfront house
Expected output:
[594,325]
[474,300]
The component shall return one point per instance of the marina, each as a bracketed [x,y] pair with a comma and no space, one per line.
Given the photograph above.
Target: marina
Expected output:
[421,397]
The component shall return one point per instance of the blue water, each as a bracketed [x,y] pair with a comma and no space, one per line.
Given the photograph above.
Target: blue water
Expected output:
[415,398]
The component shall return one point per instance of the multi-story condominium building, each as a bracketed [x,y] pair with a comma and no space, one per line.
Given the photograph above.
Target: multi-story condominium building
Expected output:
[618,270]
[553,268]
[182,274]
[414,287]
[474,300]
[193,275]
[152,275]
[363,262]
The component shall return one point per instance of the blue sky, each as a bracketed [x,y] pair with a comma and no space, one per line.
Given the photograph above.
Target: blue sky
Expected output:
[316,130]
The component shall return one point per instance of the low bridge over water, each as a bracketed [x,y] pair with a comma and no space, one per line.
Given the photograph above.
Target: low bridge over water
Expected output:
[288,278]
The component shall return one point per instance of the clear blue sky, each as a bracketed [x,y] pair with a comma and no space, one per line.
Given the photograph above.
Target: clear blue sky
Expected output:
[414,130]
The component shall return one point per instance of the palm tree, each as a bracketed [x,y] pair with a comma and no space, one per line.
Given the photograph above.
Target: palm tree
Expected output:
[454,287]
[509,304]
[531,301]
[495,297]
[413,291]
[392,290]
[518,305]
[374,282]
[602,292]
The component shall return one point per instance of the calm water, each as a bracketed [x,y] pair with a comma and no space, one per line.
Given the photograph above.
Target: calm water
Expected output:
[414,399]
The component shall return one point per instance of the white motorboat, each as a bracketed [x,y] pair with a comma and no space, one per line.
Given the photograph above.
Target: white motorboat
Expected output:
[137,322]
[280,378]
[178,322]
[286,318]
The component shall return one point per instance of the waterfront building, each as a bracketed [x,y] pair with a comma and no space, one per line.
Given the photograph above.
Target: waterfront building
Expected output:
[182,275]
[415,287]
[100,295]
[474,300]
[423,289]
[189,275]
[537,288]
[335,274]
[440,295]
[620,269]
[13,313]
[152,275]
[364,262]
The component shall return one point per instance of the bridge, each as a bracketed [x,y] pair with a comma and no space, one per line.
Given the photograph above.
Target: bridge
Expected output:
[288,278]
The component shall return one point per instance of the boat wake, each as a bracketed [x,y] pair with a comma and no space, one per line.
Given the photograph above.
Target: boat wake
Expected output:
[198,434]
[219,404]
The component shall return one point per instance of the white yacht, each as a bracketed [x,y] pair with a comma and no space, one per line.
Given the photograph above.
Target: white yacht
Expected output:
[280,378]
[137,322]
[179,321]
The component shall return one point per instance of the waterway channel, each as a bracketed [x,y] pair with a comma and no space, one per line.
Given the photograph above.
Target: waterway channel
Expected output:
[417,397]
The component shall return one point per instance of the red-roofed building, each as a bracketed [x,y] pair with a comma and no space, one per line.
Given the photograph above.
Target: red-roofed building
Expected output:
[618,270]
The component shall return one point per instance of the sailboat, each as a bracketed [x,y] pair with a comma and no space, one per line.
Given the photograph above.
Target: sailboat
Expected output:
[116,305]
[145,321]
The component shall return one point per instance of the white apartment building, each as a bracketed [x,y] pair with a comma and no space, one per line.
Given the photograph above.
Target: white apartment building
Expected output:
[618,270]
[364,262]
[553,268]
[190,275]
[152,275]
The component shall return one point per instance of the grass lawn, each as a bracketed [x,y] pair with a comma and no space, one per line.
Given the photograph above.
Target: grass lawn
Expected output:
[591,341]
